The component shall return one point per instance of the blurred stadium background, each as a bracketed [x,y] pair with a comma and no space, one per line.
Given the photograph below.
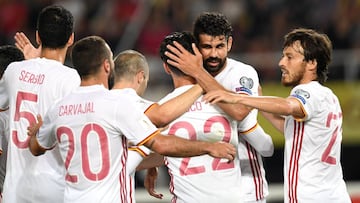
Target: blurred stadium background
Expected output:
[259,26]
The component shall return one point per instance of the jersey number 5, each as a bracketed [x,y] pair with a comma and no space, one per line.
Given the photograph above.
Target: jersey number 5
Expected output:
[20,97]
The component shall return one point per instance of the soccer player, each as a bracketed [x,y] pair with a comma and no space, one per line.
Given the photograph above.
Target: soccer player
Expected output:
[29,88]
[93,126]
[310,118]
[131,75]
[213,69]
[192,178]
[8,54]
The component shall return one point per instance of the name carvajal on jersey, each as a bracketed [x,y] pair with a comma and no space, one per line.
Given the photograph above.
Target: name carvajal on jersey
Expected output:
[76,109]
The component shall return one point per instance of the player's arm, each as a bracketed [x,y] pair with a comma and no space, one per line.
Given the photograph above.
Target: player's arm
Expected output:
[136,154]
[179,147]
[277,121]
[23,43]
[163,114]
[259,140]
[150,182]
[151,161]
[271,104]
[193,65]
[34,145]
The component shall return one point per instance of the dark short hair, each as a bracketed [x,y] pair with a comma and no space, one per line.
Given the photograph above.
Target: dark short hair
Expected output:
[88,54]
[9,54]
[186,39]
[317,46]
[55,25]
[213,24]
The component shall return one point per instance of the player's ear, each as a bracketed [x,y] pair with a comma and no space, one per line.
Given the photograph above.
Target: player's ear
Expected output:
[107,66]
[311,65]
[37,37]
[71,40]
[166,68]
[140,76]
[229,43]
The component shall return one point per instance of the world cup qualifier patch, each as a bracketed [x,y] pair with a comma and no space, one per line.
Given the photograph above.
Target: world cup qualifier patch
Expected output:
[302,95]
[246,85]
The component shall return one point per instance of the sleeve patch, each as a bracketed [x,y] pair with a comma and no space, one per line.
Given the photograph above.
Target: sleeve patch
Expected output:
[246,85]
[302,95]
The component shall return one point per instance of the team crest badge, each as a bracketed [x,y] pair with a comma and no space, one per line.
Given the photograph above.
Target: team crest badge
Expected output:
[246,85]
[302,95]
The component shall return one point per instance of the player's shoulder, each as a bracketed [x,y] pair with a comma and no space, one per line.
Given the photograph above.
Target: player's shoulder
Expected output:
[238,67]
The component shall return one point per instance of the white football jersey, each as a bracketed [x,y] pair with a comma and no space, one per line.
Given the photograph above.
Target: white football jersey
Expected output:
[29,88]
[144,105]
[92,127]
[203,178]
[239,77]
[312,168]
[4,136]
[252,173]
[243,79]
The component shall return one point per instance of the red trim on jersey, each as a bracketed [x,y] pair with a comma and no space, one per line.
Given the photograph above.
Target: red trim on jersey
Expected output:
[256,171]
[123,177]
[171,184]
[293,171]
[131,192]
[250,130]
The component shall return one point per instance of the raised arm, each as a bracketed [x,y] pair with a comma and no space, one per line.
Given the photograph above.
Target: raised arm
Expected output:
[193,65]
[23,43]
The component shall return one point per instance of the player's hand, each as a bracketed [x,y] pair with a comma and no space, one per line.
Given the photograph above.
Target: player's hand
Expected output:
[23,43]
[223,150]
[34,127]
[150,181]
[221,96]
[183,59]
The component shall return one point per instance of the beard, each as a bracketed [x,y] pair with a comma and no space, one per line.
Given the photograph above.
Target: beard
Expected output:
[292,79]
[214,69]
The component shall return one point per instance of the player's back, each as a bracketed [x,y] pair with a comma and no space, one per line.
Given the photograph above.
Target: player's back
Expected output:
[204,178]
[89,127]
[32,86]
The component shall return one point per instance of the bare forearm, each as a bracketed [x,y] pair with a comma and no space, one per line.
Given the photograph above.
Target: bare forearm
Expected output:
[208,83]
[276,120]
[172,109]
[153,160]
[178,147]
[34,147]
[275,105]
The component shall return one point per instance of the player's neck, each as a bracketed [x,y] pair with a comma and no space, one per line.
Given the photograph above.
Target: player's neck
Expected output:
[54,54]
[182,81]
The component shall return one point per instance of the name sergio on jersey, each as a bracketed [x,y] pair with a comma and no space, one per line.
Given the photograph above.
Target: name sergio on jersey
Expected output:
[76,109]
[31,78]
